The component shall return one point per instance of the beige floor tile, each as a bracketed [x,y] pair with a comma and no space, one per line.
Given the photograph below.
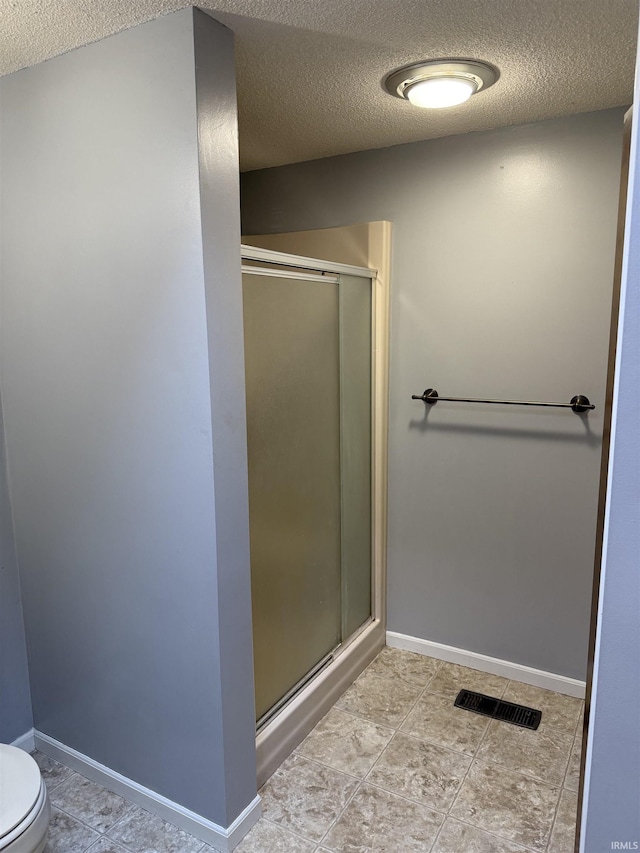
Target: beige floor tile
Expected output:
[543,754]
[572,779]
[408,666]
[421,771]
[306,797]
[558,711]
[266,837]
[89,802]
[452,678]
[510,805]
[345,743]
[378,821]
[564,829]
[52,771]
[67,835]
[506,803]
[143,832]
[386,701]
[436,719]
[456,837]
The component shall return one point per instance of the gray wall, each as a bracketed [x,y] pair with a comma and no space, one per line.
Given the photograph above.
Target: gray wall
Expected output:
[612,792]
[503,247]
[132,537]
[15,698]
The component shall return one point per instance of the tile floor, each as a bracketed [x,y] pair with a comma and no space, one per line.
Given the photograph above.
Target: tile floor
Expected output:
[87,817]
[392,768]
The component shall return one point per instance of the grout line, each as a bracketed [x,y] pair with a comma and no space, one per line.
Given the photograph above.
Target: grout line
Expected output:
[121,818]
[460,786]
[287,829]
[474,758]
[442,814]
[70,776]
[93,845]
[129,807]
[329,767]
[386,725]
[528,775]
[361,781]
[351,714]
[557,788]
[481,829]
[436,745]
[489,760]
[345,772]
[580,721]
[500,838]
[432,808]
[564,781]
[426,739]
[493,765]
[482,738]
[437,835]
[116,843]
[340,813]
[78,820]
[553,824]
[52,788]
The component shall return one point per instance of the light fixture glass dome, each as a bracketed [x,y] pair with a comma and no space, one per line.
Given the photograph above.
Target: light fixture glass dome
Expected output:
[437,83]
[438,92]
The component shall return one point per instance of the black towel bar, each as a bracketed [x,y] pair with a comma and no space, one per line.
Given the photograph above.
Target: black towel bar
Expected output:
[577,404]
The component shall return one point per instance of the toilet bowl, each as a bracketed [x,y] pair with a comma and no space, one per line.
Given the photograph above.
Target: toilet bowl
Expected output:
[24,805]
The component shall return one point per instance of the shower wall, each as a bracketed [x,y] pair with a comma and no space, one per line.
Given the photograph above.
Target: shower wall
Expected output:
[502,265]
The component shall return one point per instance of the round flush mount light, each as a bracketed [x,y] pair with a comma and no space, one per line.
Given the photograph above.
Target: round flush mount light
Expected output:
[441,82]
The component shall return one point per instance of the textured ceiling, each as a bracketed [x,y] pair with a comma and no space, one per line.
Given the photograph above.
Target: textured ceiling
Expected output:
[309,72]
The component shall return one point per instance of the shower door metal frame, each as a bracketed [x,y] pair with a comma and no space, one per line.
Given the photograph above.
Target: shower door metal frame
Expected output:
[279,737]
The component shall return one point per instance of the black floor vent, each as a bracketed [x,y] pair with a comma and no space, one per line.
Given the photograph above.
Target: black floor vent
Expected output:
[519,715]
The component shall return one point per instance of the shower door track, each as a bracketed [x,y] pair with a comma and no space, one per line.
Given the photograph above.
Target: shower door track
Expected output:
[285,725]
[272,712]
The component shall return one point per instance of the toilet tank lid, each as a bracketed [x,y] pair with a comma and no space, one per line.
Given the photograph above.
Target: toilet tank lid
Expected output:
[20,783]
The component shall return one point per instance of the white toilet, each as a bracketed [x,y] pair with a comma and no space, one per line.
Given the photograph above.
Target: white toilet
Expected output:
[24,805]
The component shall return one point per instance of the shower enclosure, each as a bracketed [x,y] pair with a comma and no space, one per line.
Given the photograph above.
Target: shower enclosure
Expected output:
[310,388]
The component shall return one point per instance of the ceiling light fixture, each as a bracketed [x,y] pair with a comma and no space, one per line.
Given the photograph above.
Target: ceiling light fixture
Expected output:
[441,82]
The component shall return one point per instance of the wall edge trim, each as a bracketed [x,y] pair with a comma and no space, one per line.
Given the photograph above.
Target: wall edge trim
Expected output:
[222,838]
[25,741]
[474,660]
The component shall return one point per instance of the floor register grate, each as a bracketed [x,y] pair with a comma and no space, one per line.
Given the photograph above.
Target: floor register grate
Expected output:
[497,709]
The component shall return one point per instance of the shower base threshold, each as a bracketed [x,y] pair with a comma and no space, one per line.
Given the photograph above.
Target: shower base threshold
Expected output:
[277,738]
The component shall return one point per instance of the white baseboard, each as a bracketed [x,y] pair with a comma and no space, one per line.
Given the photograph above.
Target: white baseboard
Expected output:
[514,671]
[222,838]
[25,741]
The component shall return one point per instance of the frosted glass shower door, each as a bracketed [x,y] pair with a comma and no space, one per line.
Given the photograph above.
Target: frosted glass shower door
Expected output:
[292,364]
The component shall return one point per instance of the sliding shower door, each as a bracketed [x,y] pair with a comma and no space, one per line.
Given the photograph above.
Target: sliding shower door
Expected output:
[308,372]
